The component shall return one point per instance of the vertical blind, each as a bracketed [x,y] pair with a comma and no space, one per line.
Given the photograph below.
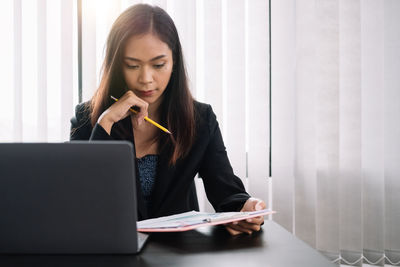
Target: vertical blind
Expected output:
[335,126]
[38,70]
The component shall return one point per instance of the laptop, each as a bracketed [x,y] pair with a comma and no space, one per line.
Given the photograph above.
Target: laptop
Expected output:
[68,198]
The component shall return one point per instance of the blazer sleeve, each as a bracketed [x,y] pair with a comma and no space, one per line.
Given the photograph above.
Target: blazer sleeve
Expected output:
[224,189]
[81,127]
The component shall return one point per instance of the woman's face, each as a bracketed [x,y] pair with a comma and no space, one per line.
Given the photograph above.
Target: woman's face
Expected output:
[147,66]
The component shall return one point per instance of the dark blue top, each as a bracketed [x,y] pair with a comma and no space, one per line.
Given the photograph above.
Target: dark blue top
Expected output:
[147,167]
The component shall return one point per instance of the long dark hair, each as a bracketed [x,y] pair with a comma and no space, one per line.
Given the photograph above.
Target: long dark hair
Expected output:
[177,109]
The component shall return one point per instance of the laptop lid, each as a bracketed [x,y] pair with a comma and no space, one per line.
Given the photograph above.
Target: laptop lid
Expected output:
[77,197]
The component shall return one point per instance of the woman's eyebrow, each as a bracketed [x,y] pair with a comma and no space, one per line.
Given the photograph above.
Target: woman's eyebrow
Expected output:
[138,60]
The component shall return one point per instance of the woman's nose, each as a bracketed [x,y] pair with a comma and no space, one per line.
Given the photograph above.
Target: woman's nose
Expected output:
[146,75]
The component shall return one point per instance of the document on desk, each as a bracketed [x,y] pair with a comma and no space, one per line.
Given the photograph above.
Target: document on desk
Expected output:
[194,219]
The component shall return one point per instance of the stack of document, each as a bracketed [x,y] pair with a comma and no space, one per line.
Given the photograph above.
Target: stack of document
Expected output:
[193,219]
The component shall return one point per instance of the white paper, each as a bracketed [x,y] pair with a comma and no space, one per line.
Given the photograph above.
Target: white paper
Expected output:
[193,218]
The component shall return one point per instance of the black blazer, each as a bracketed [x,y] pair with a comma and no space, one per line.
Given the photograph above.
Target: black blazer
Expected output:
[174,189]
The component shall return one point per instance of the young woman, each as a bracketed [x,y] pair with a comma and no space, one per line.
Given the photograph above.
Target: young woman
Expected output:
[144,68]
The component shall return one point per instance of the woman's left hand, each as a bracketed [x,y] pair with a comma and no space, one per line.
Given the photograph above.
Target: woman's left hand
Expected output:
[251,225]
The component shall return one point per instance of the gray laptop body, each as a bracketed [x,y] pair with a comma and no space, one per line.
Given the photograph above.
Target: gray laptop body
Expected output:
[77,197]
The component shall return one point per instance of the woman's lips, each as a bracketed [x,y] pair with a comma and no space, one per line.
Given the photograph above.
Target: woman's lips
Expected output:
[146,93]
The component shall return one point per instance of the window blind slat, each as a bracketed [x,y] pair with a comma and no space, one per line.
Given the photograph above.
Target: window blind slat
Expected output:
[29,71]
[327,125]
[106,13]
[54,98]
[42,70]
[257,84]
[283,77]
[392,129]
[89,62]
[67,109]
[212,58]
[17,120]
[350,181]
[235,86]
[185,22]
[305,119]
[7,54]
[372,76]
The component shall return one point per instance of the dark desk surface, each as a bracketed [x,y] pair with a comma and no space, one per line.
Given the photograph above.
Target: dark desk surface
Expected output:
[205,247]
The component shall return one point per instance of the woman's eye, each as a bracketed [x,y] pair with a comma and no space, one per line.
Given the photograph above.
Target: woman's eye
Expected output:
[159,66]
[132,66]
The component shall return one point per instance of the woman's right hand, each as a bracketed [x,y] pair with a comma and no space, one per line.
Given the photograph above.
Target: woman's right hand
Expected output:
[120,110]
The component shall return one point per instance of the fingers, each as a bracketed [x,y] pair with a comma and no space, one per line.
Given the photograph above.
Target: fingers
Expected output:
[232,231]
[121,109]
[239,229]
[253,204]
[247,226]
[260,205]
[129,99]
[256,220]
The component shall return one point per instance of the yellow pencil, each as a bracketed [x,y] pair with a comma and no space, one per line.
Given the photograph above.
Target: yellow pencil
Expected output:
[146,118]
